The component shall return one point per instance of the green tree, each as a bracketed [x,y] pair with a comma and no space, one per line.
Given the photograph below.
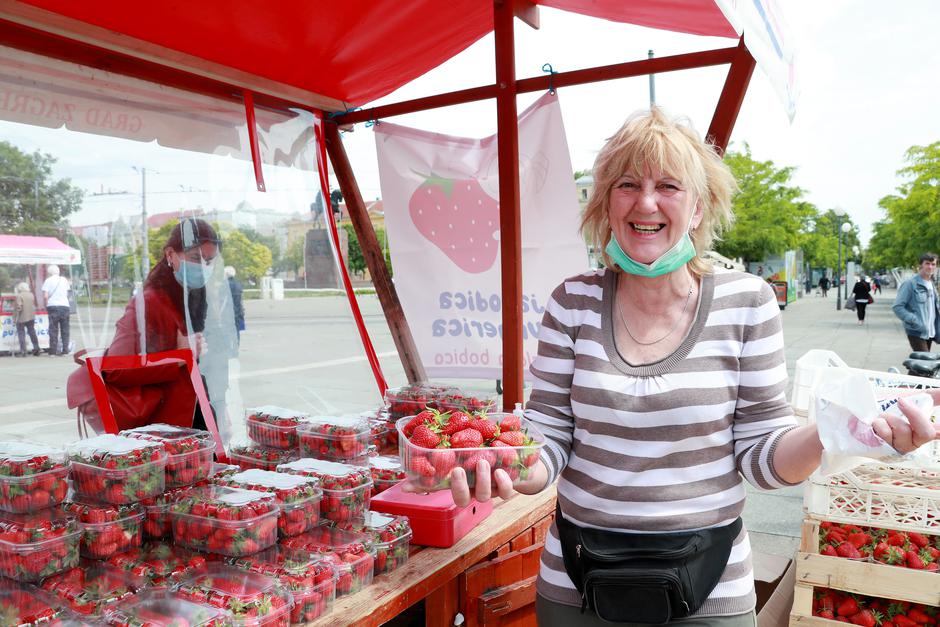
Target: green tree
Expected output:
[820,242]
[251,260]
[293,259]
[355,260]
[912,216]
[31,202]
[769,216]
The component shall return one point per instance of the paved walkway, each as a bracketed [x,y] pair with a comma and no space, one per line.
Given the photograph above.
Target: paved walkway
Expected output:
[774,518]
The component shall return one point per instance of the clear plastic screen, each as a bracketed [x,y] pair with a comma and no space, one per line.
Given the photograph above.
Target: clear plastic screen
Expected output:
[96,168]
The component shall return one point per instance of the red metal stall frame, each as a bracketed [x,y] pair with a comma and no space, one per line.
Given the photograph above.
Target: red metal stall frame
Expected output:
[21,28]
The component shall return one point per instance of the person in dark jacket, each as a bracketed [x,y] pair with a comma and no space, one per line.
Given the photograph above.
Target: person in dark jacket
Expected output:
[824,285]
[237,307]
[862,295]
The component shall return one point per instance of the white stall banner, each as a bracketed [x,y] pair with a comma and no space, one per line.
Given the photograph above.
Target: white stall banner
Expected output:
[440,194]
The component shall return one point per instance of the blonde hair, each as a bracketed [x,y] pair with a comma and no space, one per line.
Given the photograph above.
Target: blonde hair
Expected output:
[22,286]
[653,140]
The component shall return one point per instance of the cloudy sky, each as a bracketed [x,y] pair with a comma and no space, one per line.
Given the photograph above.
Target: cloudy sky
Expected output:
[867,75]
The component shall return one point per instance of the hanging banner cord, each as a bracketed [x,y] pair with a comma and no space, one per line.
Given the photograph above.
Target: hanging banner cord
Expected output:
[347,284]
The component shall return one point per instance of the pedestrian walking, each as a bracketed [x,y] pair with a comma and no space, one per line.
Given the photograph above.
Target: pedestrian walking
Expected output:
[917,307]
[861,293]
[824,284]
[238,308]
[25,317]
[55,290]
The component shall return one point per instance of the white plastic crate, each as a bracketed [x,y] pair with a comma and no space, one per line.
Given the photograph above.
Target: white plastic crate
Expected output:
[877,495]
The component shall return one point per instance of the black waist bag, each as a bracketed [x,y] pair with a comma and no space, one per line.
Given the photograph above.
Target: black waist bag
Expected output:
[642,577]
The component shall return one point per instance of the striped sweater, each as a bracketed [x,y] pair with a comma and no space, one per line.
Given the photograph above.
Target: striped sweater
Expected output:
[663,446]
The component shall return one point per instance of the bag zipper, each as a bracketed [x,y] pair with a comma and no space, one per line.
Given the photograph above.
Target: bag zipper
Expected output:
[688,549]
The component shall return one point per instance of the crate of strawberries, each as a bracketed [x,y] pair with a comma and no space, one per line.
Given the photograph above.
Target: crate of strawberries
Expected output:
[389,538]
[346,489]
[343,439]
[107,529]
[907,549]
[116,469]
[252,599]
[297,496]
[224,520]
[158,608]
[32,477]
[310,578]
[432,444]
[93,587]
[36,545]
[160,563]
[386,470]
[866,611]
[274,427]
[24,605]
[189,451]
[347,552]
[249,455]
[412,399]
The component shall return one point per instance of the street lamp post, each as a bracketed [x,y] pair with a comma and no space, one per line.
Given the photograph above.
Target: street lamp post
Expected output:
[840,213]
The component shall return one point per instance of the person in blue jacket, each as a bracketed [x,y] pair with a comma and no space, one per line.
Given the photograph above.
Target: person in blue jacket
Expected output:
[918,307]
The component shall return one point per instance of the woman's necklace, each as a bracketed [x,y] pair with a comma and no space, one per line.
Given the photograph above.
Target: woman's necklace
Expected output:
[623,319]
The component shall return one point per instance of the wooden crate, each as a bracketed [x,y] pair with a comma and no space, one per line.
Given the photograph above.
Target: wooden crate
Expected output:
[867,578]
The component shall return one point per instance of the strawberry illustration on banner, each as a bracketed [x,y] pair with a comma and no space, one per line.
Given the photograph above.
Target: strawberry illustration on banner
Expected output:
[458,217]
[442,216]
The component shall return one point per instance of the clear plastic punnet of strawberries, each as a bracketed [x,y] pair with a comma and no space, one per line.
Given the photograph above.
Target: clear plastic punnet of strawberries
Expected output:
[432,444]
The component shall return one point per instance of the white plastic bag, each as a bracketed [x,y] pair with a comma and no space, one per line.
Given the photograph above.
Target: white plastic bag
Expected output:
[845,408]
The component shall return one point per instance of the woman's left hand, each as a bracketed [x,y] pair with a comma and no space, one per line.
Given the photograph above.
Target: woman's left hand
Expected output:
[907,435]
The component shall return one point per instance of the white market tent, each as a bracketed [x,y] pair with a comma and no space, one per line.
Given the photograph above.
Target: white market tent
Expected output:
[19,249]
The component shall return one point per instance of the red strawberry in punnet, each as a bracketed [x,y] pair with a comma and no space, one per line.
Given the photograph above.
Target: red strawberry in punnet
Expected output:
[298,497]
[273,426]
[117,469]
[189,451]
[160,608]
[412,399]
[390,540]
[36,545]
[346,489]
[252,598]
[387,470]
[349,553]
[93,587]
[459,218]
[32,477]
[335,438]
[107,529]
[224,520]
[251,455]
[309,578]
[27,606]
[161,564]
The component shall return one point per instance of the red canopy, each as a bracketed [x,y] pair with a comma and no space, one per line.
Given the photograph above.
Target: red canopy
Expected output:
[348,52]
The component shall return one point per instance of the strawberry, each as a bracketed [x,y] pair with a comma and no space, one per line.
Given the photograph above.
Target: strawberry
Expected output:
[32,477]
[847,549]
[847,607]
[901,620]
[117,469]
[251,455]
[487,428]
[458,421]
[275,427]
[443,461]
[512,438]
[828,549]
[340,439]
[424,437]
[914,560]
[919,616]
[918,539]
[386,471]
[865,618]
[859,539]
[426,418]
[511,422]
[459,218]
[468,438]
[345,488]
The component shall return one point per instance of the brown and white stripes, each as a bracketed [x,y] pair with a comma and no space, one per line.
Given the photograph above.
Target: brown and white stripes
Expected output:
[663,446]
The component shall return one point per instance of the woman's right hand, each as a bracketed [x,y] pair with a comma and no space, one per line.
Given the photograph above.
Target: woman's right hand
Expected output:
[501,485]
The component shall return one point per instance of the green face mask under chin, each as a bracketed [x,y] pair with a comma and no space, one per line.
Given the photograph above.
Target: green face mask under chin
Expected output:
[680,254]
